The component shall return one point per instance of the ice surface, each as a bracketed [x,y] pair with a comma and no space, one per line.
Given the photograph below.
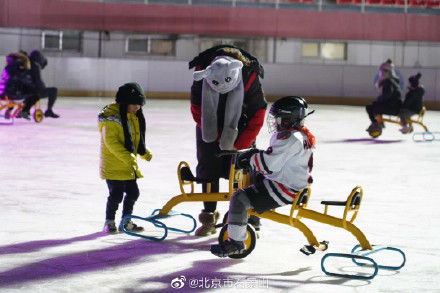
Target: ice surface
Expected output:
[53,203]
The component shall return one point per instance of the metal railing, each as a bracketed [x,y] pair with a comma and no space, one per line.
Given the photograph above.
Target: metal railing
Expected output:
[402,6]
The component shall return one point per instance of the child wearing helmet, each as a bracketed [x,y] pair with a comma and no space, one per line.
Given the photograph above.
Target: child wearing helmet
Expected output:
[122,127]
[283,170]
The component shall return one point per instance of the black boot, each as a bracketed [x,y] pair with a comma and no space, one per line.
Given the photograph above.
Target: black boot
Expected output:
[50,113]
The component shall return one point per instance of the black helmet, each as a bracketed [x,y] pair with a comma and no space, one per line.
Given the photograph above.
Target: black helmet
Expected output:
[287,113]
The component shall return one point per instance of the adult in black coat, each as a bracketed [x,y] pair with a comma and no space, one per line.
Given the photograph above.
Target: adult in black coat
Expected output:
[39,89]
[389,101]
[413,103]
[249,117]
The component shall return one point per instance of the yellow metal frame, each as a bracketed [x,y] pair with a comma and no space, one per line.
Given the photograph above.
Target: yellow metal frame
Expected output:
[235,176]
[396,119]
[6,103]
[297,211]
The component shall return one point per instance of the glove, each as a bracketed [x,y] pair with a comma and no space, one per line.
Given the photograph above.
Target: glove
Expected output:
[243,160]
[148,155]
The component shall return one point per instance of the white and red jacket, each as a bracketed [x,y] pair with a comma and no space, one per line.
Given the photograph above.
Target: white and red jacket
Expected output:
[286,165]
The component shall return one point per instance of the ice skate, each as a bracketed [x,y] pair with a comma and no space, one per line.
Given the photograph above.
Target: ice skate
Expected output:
[130,226]
[228,248]
[110,227]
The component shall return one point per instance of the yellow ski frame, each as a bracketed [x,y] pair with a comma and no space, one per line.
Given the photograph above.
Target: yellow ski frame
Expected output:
[299,209]
[396,119]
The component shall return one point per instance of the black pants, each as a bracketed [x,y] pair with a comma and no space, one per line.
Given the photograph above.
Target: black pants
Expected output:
[50,93]
[383,107]
[117,188]
[210,167]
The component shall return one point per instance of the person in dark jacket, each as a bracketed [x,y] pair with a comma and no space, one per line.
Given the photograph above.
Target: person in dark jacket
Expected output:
[413,103]
[389,101]
[39,89]
[15,76]
[15,80]
[228,106]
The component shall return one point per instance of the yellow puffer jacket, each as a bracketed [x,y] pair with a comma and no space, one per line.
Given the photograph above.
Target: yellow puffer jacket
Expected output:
[117,163]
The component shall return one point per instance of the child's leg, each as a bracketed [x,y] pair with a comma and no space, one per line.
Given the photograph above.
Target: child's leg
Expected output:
[132,194]
[238,215]
[371,113]
[404,114]
[116,191]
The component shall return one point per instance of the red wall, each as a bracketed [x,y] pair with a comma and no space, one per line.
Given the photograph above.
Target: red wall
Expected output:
[209,20]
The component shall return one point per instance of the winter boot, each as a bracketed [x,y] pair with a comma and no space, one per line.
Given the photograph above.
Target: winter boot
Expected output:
[130,226]
[208,220]
[110,227]
[228,248]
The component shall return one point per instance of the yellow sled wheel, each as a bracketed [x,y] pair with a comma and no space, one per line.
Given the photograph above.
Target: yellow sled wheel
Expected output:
[249,243]
[375,134]
[38,115]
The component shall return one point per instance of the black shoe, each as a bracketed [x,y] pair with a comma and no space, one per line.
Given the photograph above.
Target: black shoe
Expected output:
[228,248]
[110,227]
[50,113]
[24,114]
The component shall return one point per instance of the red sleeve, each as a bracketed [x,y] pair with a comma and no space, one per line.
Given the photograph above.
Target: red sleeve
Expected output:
[196,112]
[250,133]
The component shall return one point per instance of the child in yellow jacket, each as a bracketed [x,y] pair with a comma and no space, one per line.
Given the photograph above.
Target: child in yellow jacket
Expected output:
[122,128]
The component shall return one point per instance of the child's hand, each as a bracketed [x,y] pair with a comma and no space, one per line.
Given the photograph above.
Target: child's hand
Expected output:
[138,174]
[148,155]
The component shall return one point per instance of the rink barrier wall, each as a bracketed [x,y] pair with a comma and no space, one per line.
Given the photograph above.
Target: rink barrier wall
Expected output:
[350,101]
[208,20]
[330,84]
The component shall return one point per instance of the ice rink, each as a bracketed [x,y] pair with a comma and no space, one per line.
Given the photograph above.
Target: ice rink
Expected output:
[52,209]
